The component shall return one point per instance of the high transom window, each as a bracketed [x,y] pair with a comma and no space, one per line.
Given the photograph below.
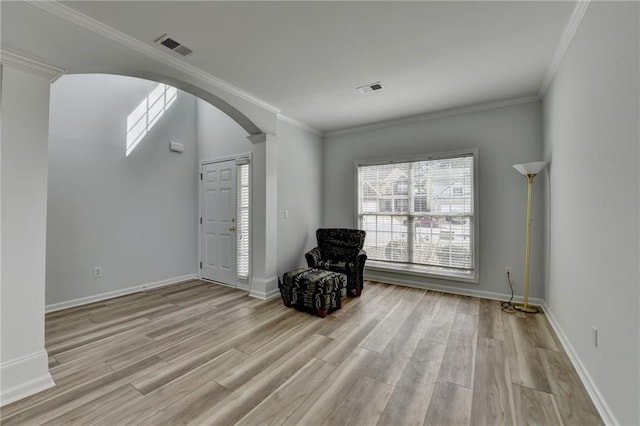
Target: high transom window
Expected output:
[420,214]
[147,114]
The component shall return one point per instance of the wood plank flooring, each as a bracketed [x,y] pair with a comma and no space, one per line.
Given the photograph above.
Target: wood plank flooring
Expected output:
[200,353]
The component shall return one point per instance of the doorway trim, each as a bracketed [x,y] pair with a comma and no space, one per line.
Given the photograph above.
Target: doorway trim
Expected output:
[246,156]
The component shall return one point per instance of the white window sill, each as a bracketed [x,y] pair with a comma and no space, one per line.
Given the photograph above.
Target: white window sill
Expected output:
[422,271]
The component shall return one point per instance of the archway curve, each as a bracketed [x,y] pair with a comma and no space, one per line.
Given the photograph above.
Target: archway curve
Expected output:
[236,115]
[29,360]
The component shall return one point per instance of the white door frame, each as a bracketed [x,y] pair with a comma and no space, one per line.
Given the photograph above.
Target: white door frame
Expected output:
[243,156]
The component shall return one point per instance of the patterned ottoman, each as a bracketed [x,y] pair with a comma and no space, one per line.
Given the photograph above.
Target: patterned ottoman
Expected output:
[313,290]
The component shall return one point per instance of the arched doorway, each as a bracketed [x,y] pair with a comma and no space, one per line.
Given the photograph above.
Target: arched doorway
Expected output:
[123,207]
[25,112]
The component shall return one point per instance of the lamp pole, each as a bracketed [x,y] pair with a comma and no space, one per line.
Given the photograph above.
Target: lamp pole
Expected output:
[524,307]
[528,170]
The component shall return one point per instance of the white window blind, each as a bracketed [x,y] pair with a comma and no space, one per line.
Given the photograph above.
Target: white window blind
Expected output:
[419,213]
[147,114]
[242,228]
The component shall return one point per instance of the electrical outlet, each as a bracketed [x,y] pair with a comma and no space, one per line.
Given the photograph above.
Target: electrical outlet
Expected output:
[507,270]
[97,272]
[286,214]
[594,332]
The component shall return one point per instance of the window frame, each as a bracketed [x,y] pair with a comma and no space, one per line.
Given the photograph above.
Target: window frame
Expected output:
[418,270]
[163,102]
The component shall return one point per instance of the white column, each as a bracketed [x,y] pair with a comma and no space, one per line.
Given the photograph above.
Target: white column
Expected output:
[264,279]
[23,217]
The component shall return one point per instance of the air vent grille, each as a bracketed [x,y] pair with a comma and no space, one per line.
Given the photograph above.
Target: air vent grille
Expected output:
[183,50]
[170,43]
[173,44]
[372,87]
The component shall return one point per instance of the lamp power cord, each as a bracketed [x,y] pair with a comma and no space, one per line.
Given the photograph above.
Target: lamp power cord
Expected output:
[508,306]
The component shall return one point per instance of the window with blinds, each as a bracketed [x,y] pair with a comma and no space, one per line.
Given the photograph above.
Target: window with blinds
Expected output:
[242,228]
[420,213]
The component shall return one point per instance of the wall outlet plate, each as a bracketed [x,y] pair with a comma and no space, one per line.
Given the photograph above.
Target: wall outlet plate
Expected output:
[97,272]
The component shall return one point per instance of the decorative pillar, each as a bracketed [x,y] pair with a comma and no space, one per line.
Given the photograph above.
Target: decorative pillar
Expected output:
[24,364]
[264,216]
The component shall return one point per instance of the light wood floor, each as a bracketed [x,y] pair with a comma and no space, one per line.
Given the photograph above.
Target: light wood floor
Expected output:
[201,353]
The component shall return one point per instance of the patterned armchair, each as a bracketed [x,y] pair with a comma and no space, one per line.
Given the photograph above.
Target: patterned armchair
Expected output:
[340,250]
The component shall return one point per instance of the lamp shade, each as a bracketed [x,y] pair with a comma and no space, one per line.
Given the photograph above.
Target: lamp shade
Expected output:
[530,168]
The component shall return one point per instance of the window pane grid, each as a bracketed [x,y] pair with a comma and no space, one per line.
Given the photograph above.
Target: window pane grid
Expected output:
[419,212]
[138,114]
[171,95]
[157,93]
[147,114]
[155,111]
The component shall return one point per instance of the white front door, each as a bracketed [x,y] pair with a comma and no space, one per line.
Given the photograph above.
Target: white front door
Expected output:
[218,230]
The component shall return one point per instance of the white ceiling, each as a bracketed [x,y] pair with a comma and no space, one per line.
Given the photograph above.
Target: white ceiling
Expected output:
[307,58]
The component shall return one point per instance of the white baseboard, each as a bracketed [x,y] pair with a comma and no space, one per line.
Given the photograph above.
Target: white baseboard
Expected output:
[117,293]
[450,289]
[264,289]
[24,376]
[271,294]
[601,405]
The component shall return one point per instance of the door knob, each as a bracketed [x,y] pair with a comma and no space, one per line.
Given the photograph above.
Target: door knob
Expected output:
[233,228]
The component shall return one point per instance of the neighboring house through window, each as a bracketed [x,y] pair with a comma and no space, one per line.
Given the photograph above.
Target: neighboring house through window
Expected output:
[420,214]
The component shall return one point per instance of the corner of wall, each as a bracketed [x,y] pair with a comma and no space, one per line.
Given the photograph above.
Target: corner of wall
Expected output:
[592,389]
[13,373]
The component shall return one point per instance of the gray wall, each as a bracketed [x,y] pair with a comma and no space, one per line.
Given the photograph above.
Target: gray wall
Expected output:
[503,136]
[135,216]
[299,193]
[299,177]
[218,135]
[591,138]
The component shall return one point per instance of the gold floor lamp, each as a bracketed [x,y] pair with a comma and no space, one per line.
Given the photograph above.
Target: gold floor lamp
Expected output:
[528,170]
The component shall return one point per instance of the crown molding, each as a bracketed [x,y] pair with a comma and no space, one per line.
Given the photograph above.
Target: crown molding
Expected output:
[299,124]
[69,14]
[262,138]
[258,138]
[21,62]
[563,45]
[433,115]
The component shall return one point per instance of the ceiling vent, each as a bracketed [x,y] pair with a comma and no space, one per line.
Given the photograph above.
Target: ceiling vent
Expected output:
[372,87]
[174,45]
